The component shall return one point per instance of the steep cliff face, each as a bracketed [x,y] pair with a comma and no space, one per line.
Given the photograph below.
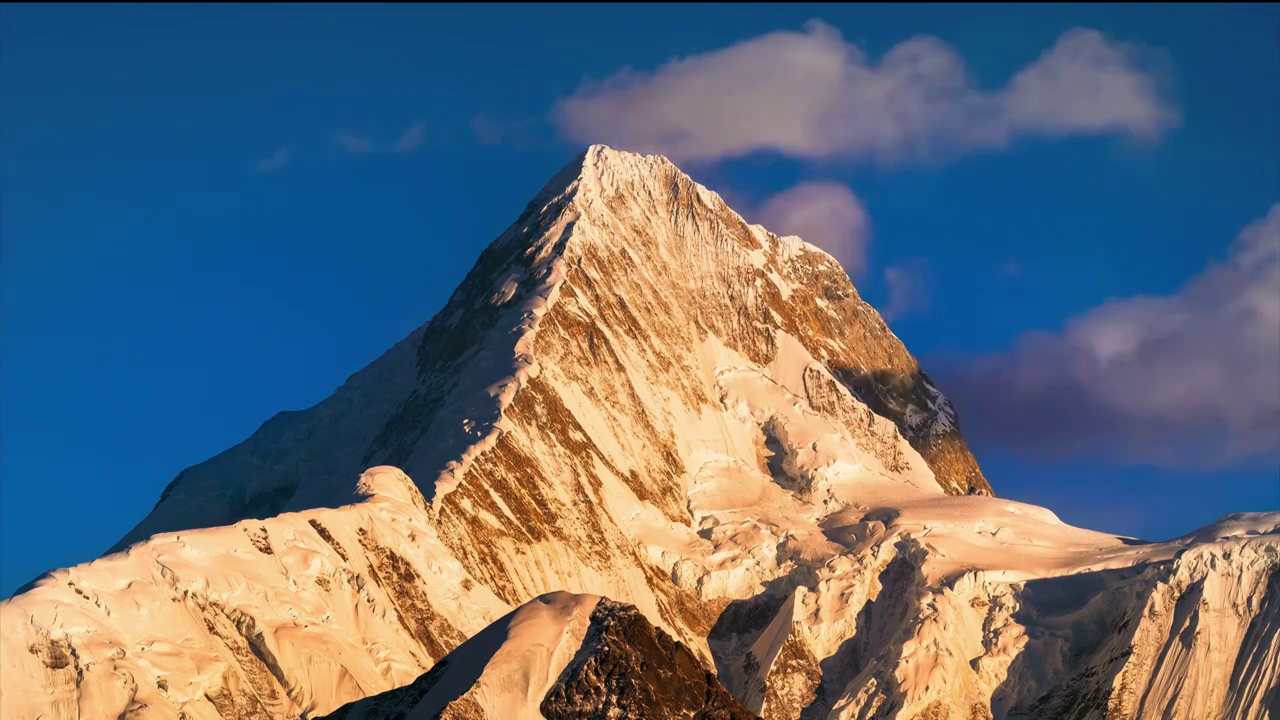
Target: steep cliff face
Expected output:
[637,395]
[628,668]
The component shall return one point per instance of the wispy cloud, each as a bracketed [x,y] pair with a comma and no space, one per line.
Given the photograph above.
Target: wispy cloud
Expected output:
[826,214]
[1011,268]
[406,143]
[520,132]
[411,139]
[486,130]
[274,162]
[352,143]
[1187,379]
[812,95]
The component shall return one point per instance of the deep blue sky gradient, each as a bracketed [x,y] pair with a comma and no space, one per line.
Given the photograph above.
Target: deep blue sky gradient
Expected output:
[159,299]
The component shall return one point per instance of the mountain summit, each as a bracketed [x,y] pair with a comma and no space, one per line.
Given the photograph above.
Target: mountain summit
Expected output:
[640,429]
[629,266]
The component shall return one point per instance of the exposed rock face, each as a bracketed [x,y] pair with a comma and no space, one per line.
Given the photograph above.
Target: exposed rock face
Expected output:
[776,674]
[628,668]
[615,664]
[637,395]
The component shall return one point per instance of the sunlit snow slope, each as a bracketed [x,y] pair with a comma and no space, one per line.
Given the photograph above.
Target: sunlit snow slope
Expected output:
[637,395]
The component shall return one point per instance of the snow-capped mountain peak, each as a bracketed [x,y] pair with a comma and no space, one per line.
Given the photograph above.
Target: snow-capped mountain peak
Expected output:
[637,395]
[633,227]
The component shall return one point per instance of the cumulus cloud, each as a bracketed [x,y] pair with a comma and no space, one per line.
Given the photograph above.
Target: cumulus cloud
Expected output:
[826,214]
[1086,84]
[811,95]
[274,162]
[1190,379]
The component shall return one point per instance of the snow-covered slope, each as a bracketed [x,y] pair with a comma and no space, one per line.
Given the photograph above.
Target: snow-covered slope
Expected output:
[270,618]
[503,671]
[637,395]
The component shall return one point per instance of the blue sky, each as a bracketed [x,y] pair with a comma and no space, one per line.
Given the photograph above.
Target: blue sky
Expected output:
[213,214]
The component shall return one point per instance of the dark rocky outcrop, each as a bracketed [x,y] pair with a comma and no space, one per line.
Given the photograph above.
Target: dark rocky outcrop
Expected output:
[627,668]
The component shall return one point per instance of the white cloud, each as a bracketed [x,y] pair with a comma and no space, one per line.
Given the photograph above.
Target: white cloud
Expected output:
[824,213]
[275,161]
[812,95]
[906,290]
[1087,84]
[1188,379]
